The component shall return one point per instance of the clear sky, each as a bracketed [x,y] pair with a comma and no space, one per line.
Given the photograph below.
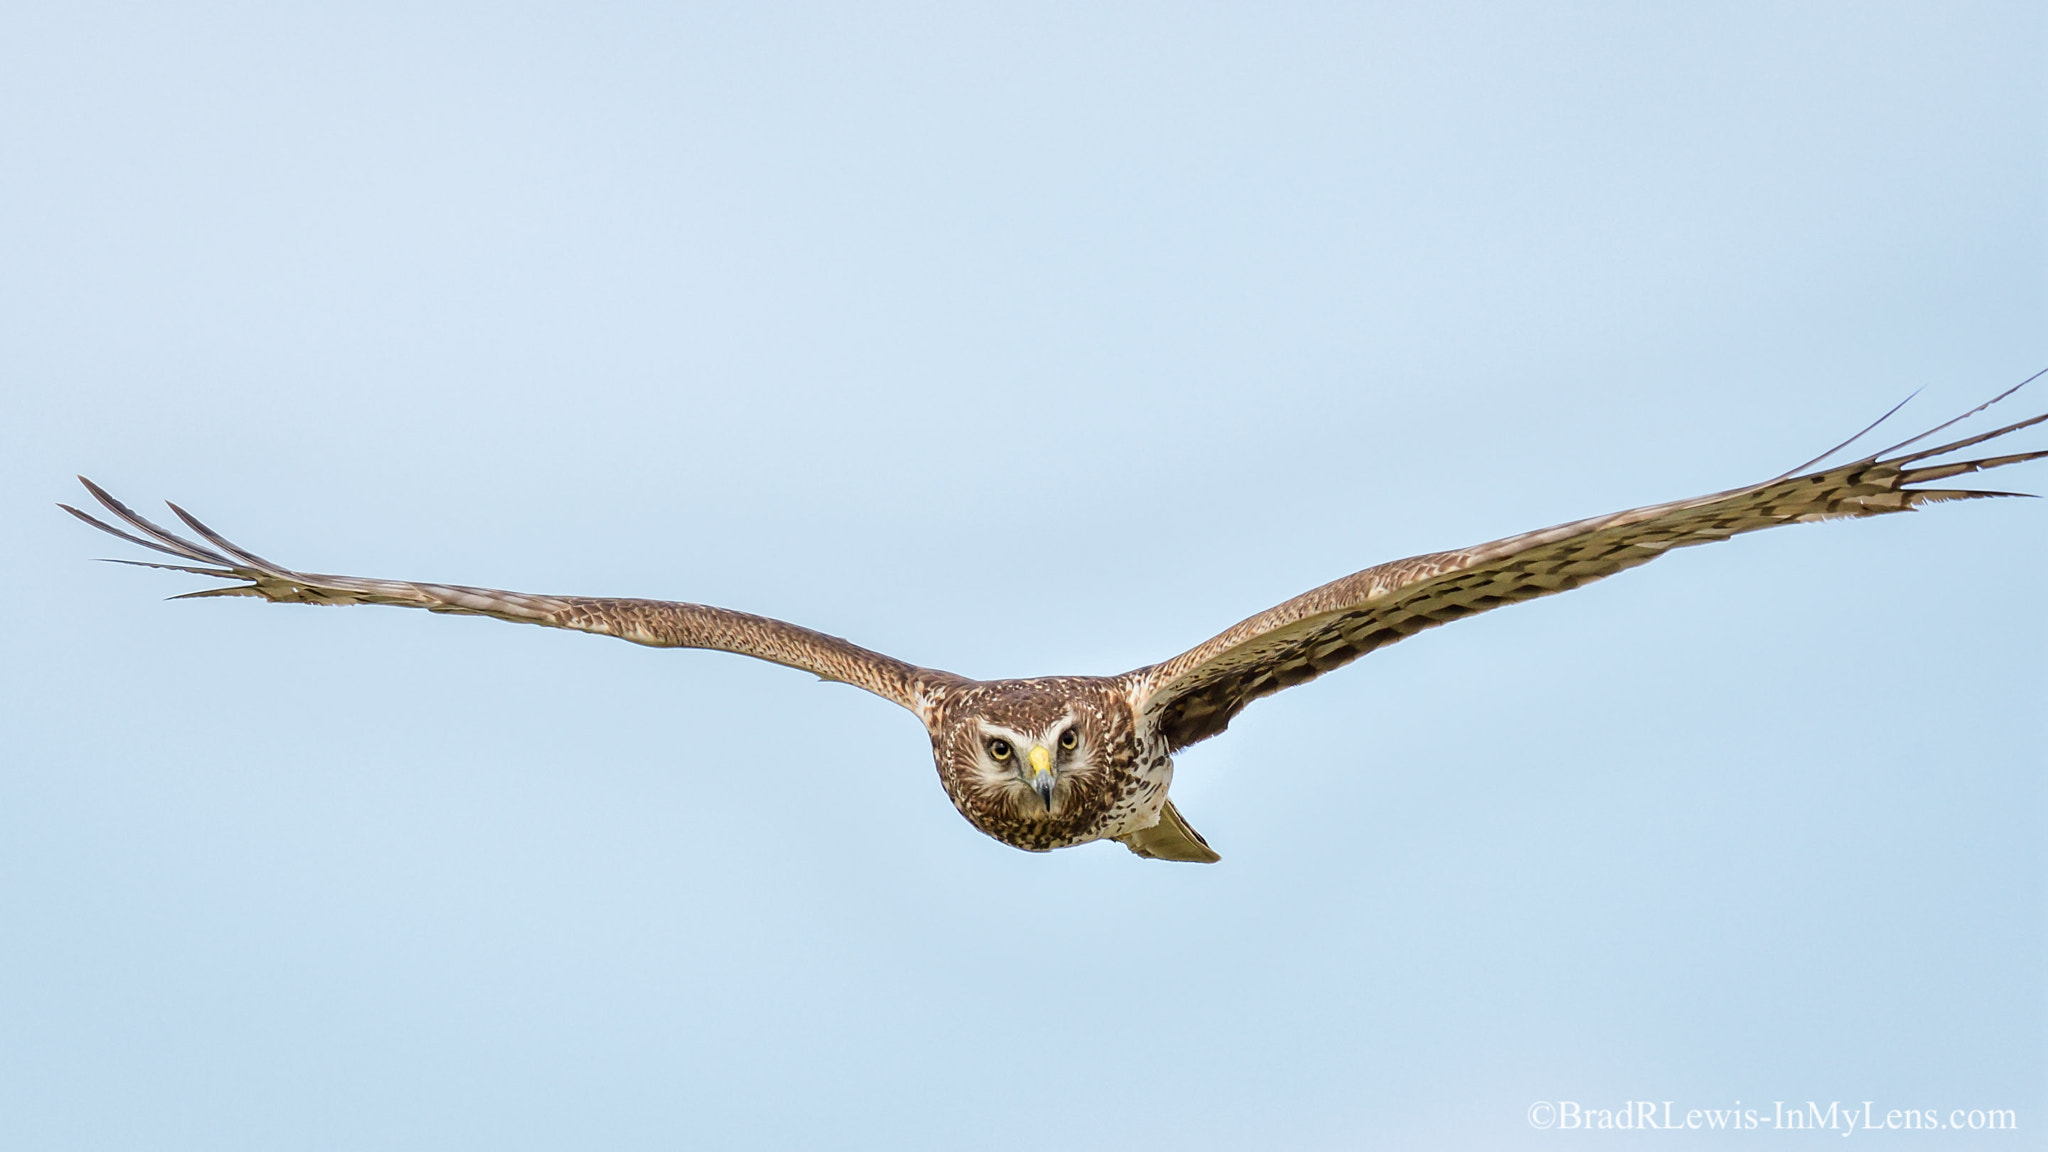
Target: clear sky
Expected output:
[1012,340]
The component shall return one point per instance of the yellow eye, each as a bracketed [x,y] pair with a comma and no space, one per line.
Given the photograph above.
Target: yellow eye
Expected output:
[999,748]
[1070,739]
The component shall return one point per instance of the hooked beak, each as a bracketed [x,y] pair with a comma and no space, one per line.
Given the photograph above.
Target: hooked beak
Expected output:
[1041,774]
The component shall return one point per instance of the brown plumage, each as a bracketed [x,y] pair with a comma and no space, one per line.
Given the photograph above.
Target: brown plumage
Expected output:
[1062,760]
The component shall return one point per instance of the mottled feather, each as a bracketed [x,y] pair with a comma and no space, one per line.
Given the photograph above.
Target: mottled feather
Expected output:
[656,623]
[1195,695]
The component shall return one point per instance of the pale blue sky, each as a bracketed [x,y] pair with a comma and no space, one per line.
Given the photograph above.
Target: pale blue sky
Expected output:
[1012,340]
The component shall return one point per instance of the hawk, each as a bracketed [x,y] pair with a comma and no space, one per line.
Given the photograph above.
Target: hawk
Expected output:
[1056,761]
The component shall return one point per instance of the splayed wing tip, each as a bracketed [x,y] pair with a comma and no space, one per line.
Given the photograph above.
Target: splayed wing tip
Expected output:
[1966,416]
[130,537]
[1994,462]
[168,541]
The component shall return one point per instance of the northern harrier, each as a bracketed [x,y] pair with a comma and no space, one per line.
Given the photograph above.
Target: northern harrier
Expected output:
[1062,760]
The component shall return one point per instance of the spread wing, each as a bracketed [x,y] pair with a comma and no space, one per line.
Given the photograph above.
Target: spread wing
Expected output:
[1196,694]
[656,623]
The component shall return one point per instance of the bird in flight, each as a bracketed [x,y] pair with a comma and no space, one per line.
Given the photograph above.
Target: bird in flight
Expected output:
[1055,761]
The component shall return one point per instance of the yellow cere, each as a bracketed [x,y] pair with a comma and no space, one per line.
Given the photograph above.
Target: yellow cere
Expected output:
[1041,760]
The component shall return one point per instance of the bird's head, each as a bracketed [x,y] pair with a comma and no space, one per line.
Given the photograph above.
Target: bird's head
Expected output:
[1030,754]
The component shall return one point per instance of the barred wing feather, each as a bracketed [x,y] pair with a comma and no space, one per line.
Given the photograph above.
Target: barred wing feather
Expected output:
[657,623]
[1195,695]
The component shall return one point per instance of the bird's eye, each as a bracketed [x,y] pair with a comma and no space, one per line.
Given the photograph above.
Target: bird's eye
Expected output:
[999,748]
[1070,739]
